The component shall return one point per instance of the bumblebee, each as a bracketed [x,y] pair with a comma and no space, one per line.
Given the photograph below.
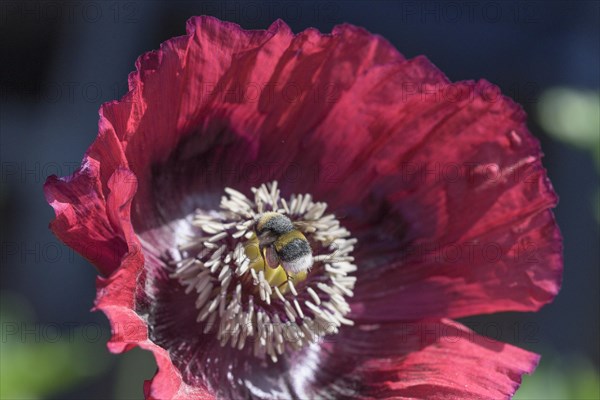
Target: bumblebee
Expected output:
[281,243]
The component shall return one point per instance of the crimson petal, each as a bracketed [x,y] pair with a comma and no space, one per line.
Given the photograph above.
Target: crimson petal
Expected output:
[433,360]
[479,241]
[360,116]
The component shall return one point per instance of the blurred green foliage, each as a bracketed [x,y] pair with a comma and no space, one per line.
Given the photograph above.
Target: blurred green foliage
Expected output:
[572,116]
[134,368]
[39,361]
[36,362]
[561,377]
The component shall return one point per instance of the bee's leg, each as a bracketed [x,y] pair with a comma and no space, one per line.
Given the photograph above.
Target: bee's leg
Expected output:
[288,278]
[263,254]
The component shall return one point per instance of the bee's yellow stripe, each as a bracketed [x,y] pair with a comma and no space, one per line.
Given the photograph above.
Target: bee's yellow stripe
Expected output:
[275,276]
[265,218]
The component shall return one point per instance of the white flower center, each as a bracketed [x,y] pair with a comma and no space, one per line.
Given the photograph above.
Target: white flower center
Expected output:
[242,296]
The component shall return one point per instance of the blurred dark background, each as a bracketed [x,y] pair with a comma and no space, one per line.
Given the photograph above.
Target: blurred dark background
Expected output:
[61,60]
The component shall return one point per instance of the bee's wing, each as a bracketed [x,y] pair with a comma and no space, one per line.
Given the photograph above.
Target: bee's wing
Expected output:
[303,226]
[271,257]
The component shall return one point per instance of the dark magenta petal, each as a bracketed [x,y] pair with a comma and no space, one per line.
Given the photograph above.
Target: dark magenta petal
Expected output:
[462,225]
[178,139]
[115,298]
[86,219]
[348,119]
[418,360]
[465,279]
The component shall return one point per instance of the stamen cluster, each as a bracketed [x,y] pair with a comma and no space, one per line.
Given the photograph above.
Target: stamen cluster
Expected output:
[239,297]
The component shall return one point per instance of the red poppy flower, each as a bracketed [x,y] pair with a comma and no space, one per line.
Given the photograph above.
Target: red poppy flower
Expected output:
[401,200]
